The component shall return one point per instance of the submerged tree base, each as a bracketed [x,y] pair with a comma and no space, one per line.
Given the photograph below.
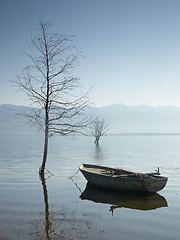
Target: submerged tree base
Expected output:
[42,172]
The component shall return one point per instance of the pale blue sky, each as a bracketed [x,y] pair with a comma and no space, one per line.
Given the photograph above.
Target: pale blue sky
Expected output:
[131,47]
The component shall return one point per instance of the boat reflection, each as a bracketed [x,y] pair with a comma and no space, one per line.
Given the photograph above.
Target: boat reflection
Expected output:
[140,201]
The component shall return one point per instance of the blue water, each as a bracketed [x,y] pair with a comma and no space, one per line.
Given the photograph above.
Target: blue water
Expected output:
[26,214]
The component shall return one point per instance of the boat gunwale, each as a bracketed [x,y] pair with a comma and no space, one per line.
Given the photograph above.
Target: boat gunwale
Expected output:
[84,167]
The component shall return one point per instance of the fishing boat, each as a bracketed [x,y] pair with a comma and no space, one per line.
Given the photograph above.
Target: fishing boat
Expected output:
[122,180]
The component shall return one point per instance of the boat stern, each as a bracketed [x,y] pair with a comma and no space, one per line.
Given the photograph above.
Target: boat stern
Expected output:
[155,186]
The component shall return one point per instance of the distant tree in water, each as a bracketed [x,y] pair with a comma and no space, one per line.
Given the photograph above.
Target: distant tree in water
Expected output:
[98,128]
[52,88]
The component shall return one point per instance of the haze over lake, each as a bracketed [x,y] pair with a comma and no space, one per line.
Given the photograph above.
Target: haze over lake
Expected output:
[56,210]
[121,119]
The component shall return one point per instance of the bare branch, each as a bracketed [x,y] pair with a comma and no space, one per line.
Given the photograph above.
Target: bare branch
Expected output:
[98,128]
[50,85]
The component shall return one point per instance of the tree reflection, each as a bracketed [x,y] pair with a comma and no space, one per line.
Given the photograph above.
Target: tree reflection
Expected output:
[98,154]
[67,223]
[48,224]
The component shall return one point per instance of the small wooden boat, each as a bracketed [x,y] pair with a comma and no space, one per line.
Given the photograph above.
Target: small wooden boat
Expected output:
[123,180]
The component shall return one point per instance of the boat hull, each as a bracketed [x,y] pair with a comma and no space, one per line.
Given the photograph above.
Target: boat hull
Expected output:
[121,183]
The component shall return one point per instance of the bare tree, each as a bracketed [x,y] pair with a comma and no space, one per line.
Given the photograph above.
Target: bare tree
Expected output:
[52,88]
[98,129]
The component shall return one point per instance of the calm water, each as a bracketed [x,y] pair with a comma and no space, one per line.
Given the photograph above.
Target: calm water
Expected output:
[30,209]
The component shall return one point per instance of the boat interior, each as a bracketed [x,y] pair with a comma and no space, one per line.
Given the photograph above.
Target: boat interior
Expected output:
[116,172]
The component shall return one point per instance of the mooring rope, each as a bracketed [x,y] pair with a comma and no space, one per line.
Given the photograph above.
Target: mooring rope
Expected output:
[74,174]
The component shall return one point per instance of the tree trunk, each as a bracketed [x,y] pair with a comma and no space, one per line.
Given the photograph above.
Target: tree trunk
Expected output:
[46,113]
[43,166]
[97,140]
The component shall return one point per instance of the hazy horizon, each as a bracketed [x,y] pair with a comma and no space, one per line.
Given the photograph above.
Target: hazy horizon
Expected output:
[122,119]
[102,106]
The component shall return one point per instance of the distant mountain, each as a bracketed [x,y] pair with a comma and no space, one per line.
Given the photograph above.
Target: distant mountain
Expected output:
[140,119]
[121,119]
[10,123]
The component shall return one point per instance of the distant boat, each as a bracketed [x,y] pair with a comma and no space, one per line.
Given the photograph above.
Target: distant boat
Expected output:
[122,180]
[119,199]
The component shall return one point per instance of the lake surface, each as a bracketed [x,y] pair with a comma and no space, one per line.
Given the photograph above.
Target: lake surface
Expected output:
[59,207]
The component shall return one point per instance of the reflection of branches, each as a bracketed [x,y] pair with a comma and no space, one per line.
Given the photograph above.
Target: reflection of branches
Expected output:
[64,224]
[98,153]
